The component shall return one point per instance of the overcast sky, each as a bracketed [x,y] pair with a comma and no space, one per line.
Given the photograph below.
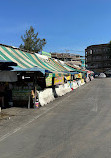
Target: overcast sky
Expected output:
[66,24]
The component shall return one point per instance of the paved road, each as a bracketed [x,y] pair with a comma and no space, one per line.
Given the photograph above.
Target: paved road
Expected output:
[78,126]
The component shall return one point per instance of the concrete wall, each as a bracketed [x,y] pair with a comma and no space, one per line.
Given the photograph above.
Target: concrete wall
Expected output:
[49,94]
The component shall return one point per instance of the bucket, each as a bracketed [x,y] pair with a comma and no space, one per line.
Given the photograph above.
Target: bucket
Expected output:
[36,104]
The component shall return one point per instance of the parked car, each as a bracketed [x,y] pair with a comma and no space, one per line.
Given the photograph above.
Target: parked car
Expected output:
[102,75]
[96,74]
[108,73]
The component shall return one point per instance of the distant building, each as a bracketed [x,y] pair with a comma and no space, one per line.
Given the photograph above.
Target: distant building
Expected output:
[98,57]
[74,59]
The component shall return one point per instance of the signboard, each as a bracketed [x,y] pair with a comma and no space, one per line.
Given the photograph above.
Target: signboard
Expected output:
[58,80]
[48,79]
[78,75]
[69,84]
[46,54]
[68,78]
[20,94]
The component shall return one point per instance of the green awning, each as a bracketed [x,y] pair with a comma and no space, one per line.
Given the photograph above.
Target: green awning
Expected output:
[32,61]
[27,60]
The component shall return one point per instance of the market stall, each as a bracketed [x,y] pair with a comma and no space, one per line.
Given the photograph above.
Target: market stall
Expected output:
[24,91]
[6,78]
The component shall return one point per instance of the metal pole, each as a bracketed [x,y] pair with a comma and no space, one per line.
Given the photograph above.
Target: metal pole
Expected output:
[29,102]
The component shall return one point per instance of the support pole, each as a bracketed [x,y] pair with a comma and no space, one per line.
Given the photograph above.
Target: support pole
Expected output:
[29,102]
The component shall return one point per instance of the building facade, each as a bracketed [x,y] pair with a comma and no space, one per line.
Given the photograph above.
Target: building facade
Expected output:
[68,58]
[98,57]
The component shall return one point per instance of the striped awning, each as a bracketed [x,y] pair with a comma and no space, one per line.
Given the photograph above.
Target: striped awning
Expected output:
[78,70]
[70,69]
[26,60]
[32,62]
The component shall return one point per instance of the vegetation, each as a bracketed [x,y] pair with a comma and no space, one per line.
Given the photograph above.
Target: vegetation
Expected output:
[110,44]
[32,42]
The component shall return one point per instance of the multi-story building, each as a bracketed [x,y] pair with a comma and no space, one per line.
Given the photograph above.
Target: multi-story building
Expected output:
[68,58]
[98,57]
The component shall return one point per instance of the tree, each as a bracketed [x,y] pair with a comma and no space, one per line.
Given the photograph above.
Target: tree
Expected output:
[32,42]
[110,44]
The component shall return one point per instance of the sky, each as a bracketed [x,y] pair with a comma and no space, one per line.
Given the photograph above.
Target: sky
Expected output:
[65,24]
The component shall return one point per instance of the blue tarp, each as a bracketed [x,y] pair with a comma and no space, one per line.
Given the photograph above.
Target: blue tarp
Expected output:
[34,69]
[72,73]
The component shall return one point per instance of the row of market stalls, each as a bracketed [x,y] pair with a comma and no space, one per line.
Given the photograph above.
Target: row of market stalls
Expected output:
[32,79]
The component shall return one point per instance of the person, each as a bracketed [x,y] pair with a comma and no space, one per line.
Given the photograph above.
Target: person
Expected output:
[89,77]
[2,94]
[65,80]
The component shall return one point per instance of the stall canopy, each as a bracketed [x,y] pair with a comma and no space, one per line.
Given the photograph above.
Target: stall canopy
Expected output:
[73,73]
[5,65]
[33,62]
[25,60]
[64,66]
[70,68]
[78,70]
[8,76]
[34,69]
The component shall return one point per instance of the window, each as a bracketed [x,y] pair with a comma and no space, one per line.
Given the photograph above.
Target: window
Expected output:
[90,51]
[104,49]
[94,50]
[89,58]
[106,57]
[98,57]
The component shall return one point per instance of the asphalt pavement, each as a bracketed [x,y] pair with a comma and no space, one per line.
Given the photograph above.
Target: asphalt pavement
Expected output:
[77,125]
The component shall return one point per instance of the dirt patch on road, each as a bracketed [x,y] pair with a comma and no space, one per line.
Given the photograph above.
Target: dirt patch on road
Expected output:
[5,116]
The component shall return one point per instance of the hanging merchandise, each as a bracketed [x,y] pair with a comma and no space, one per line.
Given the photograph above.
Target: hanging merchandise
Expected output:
[78,75]
[37,103]
[82,80]
[68,77]
[48,79]
[58,80]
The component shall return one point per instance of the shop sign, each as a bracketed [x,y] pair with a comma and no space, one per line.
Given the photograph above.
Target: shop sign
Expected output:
[82,80]
[46,54]
[78,75]
[20,94]
[68,78]
[69,84]
[58,80]
[48,80]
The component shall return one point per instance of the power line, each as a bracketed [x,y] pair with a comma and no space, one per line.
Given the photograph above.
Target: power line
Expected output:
[68,50]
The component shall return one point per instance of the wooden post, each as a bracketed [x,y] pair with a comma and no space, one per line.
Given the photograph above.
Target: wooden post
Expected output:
[2,101]
[35,97]
[29,102]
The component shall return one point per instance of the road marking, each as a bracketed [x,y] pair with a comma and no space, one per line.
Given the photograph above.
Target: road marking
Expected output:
[36,117]
[95,108]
